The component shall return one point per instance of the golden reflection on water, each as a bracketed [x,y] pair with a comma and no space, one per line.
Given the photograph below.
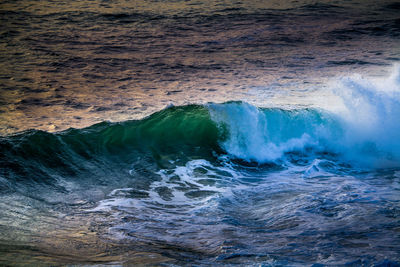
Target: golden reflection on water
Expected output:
[68,74]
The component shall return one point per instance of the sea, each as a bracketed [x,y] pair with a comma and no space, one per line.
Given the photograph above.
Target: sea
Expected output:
[200,133]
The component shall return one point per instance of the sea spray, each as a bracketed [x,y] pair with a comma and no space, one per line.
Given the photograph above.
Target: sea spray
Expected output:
[366,132]
[371,118]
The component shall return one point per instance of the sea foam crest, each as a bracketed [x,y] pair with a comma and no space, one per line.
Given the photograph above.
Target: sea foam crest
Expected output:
[266,135]
[366,132]
[371,118]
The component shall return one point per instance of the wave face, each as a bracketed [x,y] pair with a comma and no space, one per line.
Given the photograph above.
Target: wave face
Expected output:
[198,182]
[369,136]
[165,134]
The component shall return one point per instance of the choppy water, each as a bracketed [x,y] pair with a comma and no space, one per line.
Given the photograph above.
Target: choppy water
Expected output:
[279,145]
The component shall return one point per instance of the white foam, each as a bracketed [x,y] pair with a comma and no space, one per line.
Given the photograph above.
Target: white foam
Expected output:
[364,131]
[371,118]
[255,135]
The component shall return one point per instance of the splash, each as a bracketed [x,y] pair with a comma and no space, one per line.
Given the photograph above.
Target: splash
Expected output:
[371,118]
[365,133]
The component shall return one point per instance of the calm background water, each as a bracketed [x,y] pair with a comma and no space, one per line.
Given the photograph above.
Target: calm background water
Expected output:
[73,63]
[301,168]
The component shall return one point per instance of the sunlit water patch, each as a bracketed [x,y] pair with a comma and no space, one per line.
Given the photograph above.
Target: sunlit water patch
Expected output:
[74,64]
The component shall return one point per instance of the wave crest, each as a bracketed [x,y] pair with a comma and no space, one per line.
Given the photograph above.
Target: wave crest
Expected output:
[366,132]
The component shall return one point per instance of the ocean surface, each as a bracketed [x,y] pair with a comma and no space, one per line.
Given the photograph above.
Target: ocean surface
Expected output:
[200,133]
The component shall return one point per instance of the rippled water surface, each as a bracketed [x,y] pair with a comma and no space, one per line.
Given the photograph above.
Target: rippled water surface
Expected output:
[200,133]
[71,64]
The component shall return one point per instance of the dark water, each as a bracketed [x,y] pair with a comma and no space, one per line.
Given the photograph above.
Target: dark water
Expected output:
[272,151]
